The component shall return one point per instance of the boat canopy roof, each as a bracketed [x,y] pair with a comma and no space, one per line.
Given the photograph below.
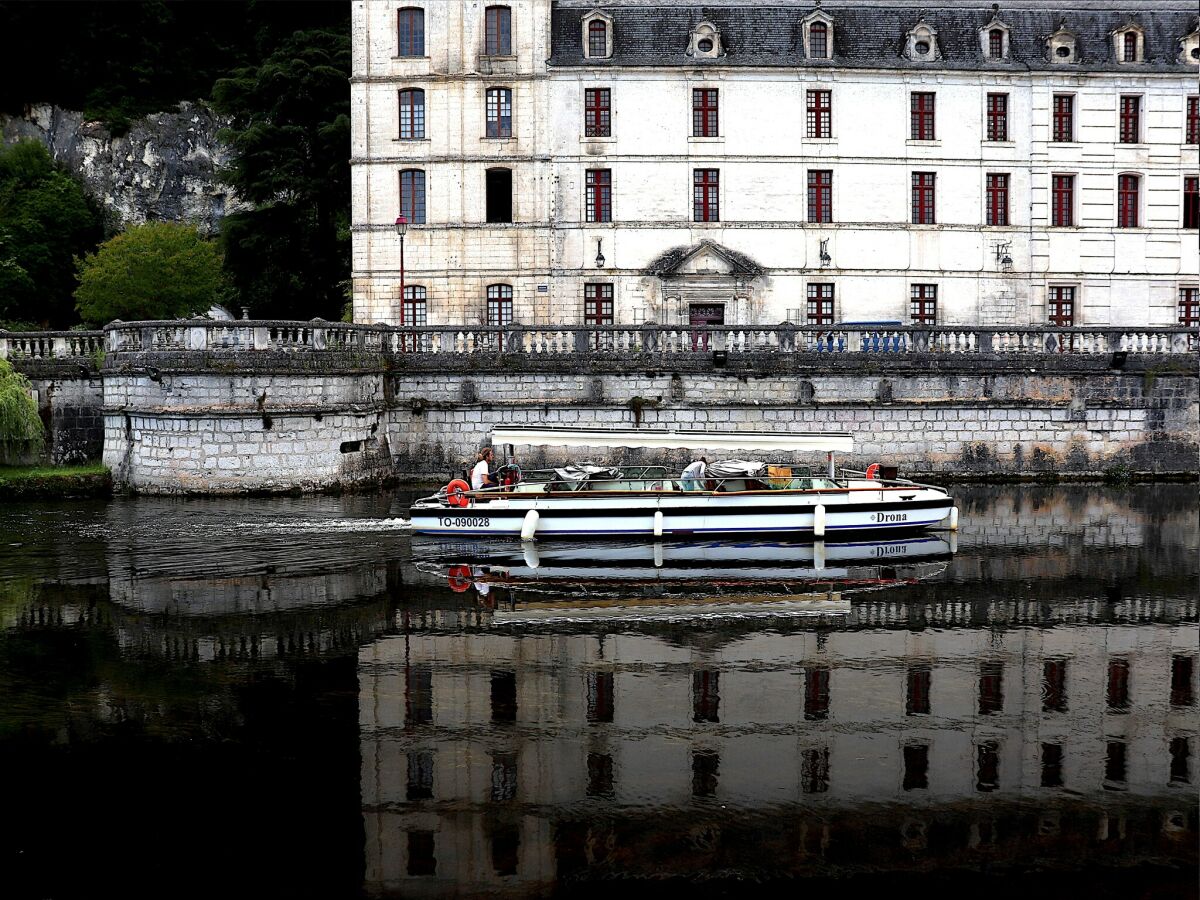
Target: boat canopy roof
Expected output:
[656,439]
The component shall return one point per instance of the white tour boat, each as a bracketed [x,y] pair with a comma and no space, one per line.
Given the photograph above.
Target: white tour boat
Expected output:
[734,496]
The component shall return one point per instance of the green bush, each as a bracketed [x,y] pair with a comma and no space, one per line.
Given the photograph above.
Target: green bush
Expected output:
[21,433]
[160,270]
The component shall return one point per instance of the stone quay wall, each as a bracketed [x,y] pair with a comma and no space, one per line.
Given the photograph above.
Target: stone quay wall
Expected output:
[204,407]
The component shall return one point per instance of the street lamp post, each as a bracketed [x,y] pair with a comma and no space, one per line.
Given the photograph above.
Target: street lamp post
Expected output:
[401,228]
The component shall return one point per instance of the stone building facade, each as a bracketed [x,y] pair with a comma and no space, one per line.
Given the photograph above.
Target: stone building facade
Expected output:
[562,161]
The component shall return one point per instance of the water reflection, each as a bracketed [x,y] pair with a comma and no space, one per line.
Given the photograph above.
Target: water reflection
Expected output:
[707,712]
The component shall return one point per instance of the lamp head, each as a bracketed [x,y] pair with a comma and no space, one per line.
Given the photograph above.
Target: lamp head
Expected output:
[401,225]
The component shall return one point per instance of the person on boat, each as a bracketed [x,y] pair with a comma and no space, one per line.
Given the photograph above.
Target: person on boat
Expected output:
[693,475]
[481,475]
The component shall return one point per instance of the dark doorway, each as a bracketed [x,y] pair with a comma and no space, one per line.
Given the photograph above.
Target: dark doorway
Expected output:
[704,314]
[499,195]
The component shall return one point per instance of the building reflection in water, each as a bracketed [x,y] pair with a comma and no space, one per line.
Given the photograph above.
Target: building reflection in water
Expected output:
[978,720]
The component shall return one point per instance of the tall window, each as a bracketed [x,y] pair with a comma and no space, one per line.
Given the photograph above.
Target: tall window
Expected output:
[1191,201]
[599,775]
[820,195]
[597,112]
[706,771]
[1061,310]
[705,188]
[414,307]
[498,28]
[597,194]
[816,693]
[820,111]
[498,195]
[1064,118]
[991,688]
[598,304]
[922,198]
[922,116]
[923,304]
[421,858]
[1192,128]
[916,767]
[499,113]
[1180,763]
[706,696]
[704,112]
[1052,765]
[1129,47]
[814,770]
[1114,762]
[418,695]
[1054,684]
[917,700]
[410,32]
[597,38]
[997,117]
[599,697]
[499,304]
[818,40]
[1182,675]
[997,198]
[987,766]
[1118,684]
[1189,307]
[419,781]
[1062,207]
[1127,201]
[820,304]
[412,114]
[1131,108]
[412,196]
[996,43]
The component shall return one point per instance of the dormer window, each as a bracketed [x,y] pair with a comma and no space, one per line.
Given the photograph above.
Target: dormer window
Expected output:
[994,38]
[818,36]
[1128,44]
[1189,48]
[597,35]
[705,42]
[1062,46]
[922,45]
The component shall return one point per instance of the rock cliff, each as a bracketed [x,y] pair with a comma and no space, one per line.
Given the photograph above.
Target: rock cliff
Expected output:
[165,168]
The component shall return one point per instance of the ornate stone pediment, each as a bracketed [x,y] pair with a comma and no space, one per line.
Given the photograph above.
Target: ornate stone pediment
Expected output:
[705,258]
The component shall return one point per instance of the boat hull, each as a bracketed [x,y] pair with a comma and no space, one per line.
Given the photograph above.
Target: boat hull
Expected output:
[846,512]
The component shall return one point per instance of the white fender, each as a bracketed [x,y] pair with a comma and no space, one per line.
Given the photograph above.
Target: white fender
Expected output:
[954,518]
[658,523]
[819,521]
[658,554]
[954,542]
[819,555]
[529,549]
[529,526]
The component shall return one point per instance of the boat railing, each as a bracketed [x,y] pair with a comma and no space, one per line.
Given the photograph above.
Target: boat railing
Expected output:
[657,478]
[848,475]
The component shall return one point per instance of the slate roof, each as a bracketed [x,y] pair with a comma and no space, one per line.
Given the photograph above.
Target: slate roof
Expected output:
[871,36]
[669,263]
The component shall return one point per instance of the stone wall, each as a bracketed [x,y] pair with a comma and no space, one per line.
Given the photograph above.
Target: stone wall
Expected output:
[182,421]
[69,397]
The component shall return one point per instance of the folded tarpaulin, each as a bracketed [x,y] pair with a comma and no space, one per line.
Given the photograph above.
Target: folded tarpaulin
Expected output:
[586,472]
[735,468]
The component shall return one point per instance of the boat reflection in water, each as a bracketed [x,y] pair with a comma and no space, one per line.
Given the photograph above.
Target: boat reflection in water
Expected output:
[618,578]
[571,716]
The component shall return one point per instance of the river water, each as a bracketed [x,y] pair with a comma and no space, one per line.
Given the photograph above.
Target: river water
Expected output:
[296,697]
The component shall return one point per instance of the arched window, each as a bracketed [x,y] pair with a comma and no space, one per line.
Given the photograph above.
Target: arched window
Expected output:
[412,196]
[412,114]
[597,38]
[499,304]
[497,31]
[499,113]
[818,40]
[1129,44]
[410,31]
[996,43]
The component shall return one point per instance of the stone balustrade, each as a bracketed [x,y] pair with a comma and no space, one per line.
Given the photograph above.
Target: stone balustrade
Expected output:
[592,340]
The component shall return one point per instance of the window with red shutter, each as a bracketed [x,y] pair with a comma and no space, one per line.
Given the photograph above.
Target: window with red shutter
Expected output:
[923,198]
[1130,47]
[1061,306]
[705,202]
[820,304]
[922,116]
[499,304]
[820,195]
[1062,210]
[598,195]
[597,112]
[820,112]
[1064,118]
[410,32]
[997,199]
[923,304]
[1131,108]
[1192,129]
[1127,201]
[704,112]
[1189,307]
[498,31]
[996,43]
[412,114]
[997,117]
[1191,201]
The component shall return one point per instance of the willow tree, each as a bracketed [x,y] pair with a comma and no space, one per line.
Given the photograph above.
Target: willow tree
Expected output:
[21,434]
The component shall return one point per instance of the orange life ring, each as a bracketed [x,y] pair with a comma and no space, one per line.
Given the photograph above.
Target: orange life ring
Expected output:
[459,578]
[873,471]
[456,493]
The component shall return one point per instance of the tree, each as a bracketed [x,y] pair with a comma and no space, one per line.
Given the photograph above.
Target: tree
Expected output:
[21,431]
[160,270]
[290,134]
[45,221]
